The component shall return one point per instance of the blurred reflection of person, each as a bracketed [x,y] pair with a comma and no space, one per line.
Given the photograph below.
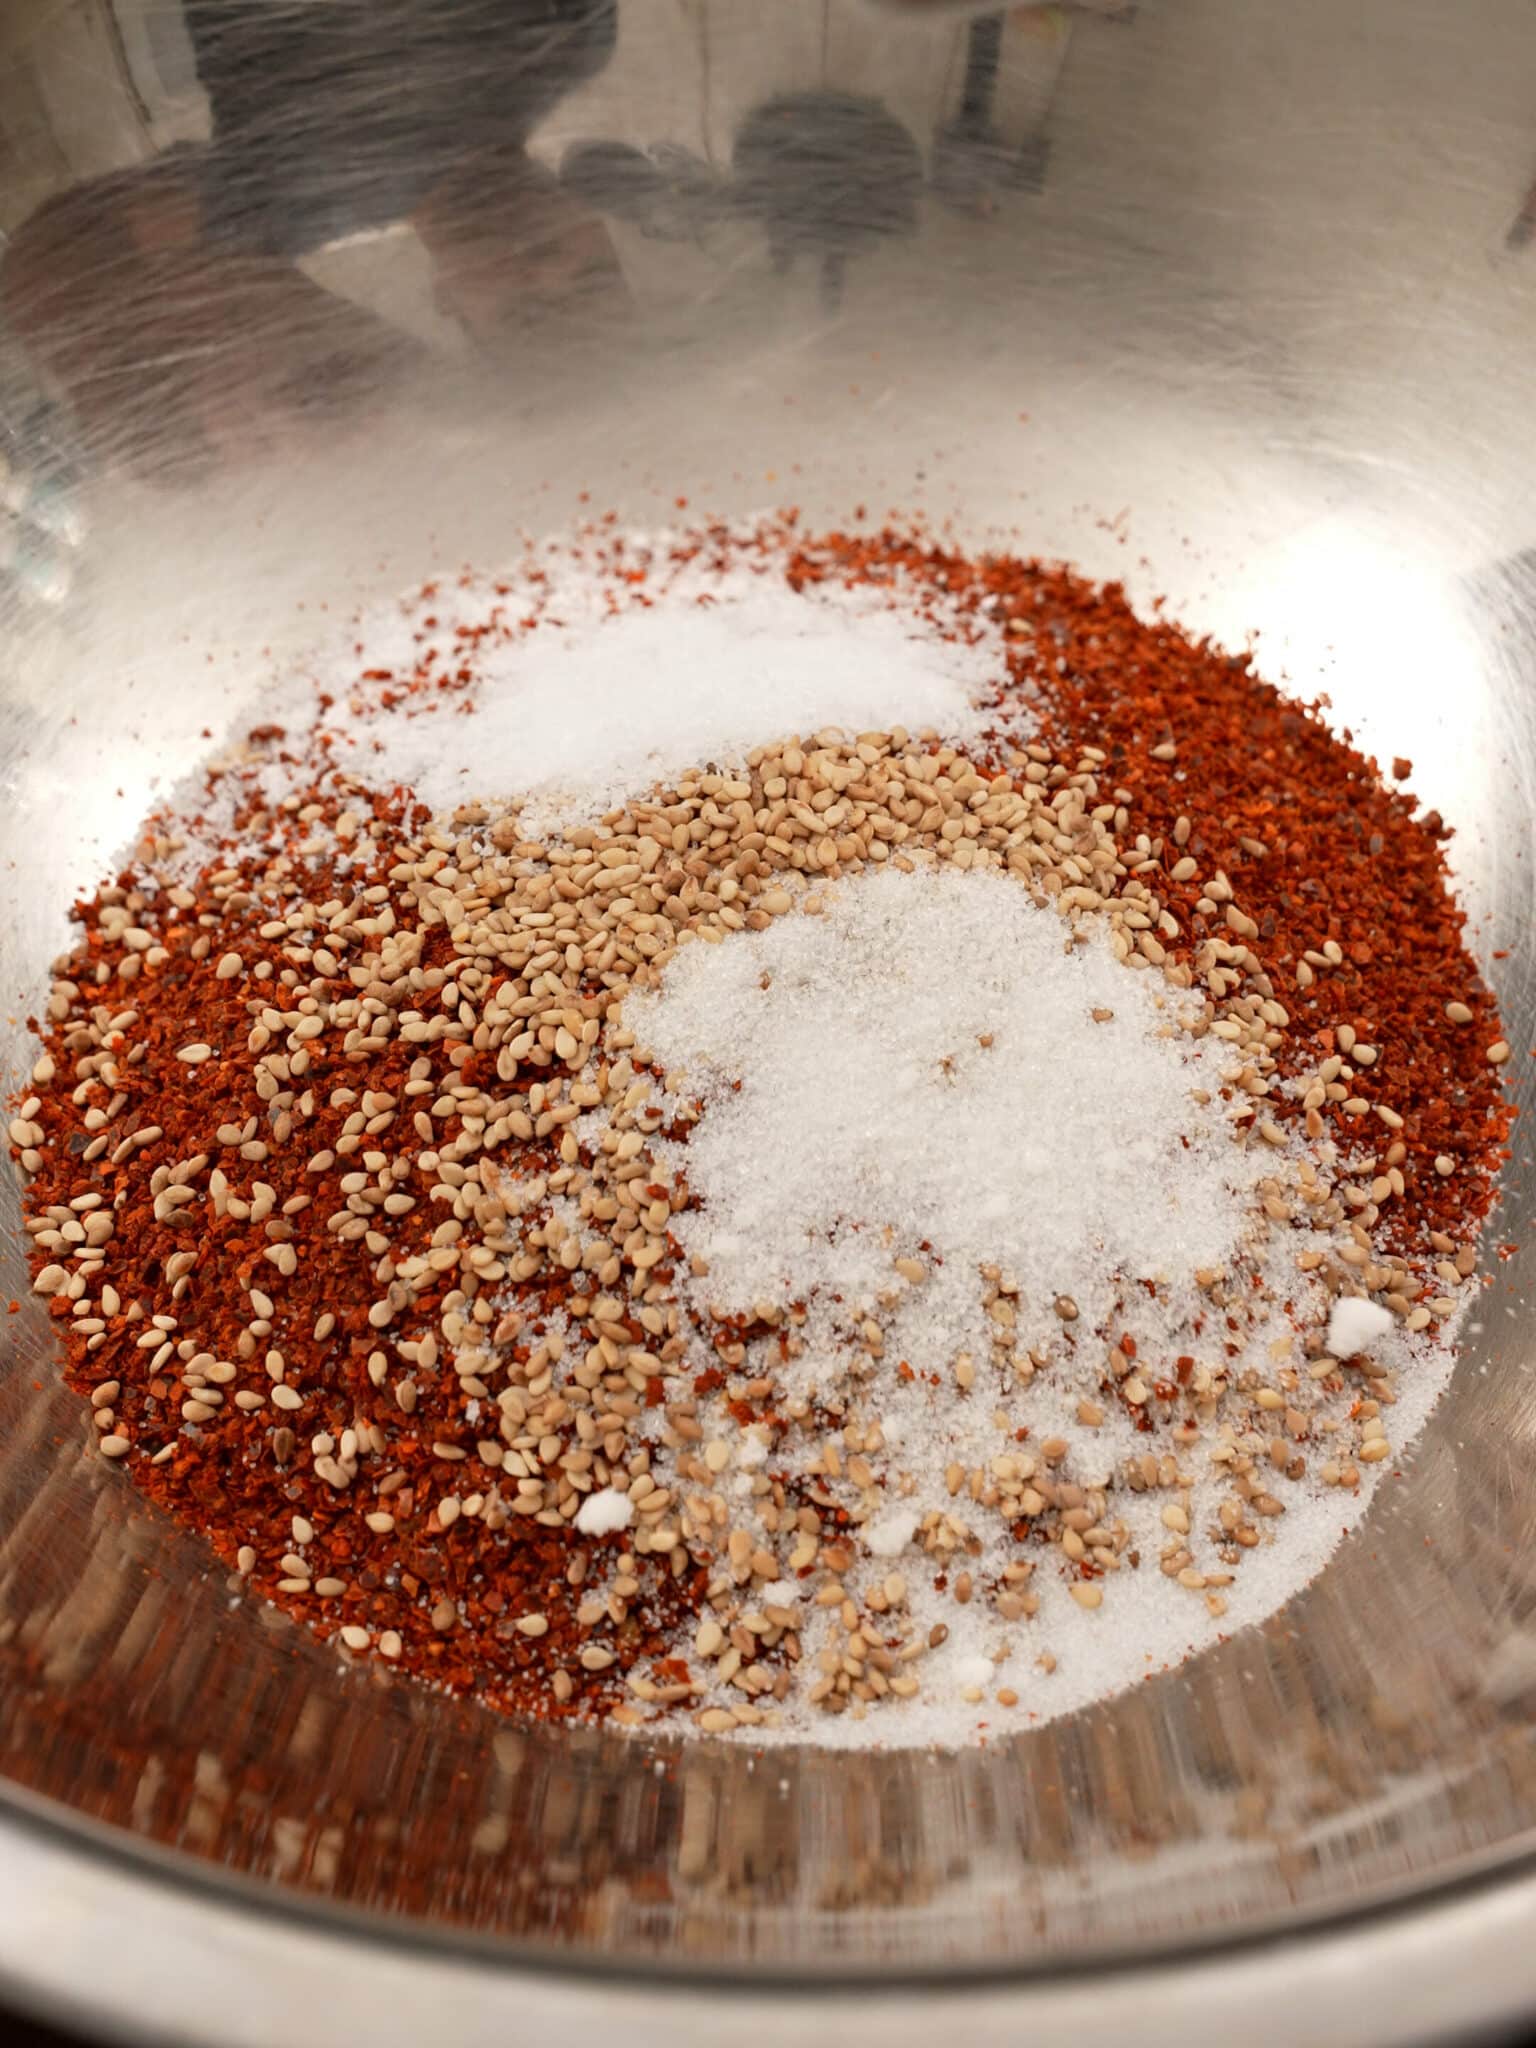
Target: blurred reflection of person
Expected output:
[336,116]
[712,121]
[512,251]
[829,175]
[173,349]
[696,71]
[164,301]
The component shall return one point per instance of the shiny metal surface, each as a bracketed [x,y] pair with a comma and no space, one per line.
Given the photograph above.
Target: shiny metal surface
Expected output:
[1224,297]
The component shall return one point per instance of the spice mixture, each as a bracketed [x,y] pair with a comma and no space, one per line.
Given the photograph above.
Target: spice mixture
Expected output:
[813,1136]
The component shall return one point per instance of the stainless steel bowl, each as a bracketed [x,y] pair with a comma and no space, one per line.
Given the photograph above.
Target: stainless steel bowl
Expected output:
[1225,297]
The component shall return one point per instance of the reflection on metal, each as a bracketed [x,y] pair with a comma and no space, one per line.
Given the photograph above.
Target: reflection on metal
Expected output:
[1256,344]
[42,506]
[970,159]
[828,175]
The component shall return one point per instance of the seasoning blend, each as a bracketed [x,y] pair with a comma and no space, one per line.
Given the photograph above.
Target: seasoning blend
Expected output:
[917,1176]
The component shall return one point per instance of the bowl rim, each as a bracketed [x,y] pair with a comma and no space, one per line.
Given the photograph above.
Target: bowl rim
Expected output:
[219,1949]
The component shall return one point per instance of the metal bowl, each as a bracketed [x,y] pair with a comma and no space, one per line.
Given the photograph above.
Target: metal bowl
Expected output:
[1223,297]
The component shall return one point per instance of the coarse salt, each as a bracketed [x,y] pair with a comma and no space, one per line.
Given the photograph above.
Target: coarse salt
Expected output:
[921,1064]
[593,670]
[605,1512]
[597,700]
[1357,1325]
[890,1533]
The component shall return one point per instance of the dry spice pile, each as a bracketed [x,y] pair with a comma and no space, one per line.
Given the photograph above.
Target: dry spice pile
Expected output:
[443,1213]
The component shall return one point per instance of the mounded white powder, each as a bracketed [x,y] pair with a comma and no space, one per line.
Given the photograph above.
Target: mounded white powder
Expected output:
[583,717]
[934,1061]
[1357,1325]
[604,1512]
[582,697]
[597,668]
[890,1534]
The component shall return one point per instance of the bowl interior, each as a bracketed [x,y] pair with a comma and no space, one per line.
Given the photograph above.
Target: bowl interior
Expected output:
[1209,295]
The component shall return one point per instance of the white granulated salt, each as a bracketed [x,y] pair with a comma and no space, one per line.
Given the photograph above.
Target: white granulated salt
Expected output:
[974,1670]
[562,689]
[1357,1325]
[581,698]
[934,1062]
[890,1534]
[604,1512]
